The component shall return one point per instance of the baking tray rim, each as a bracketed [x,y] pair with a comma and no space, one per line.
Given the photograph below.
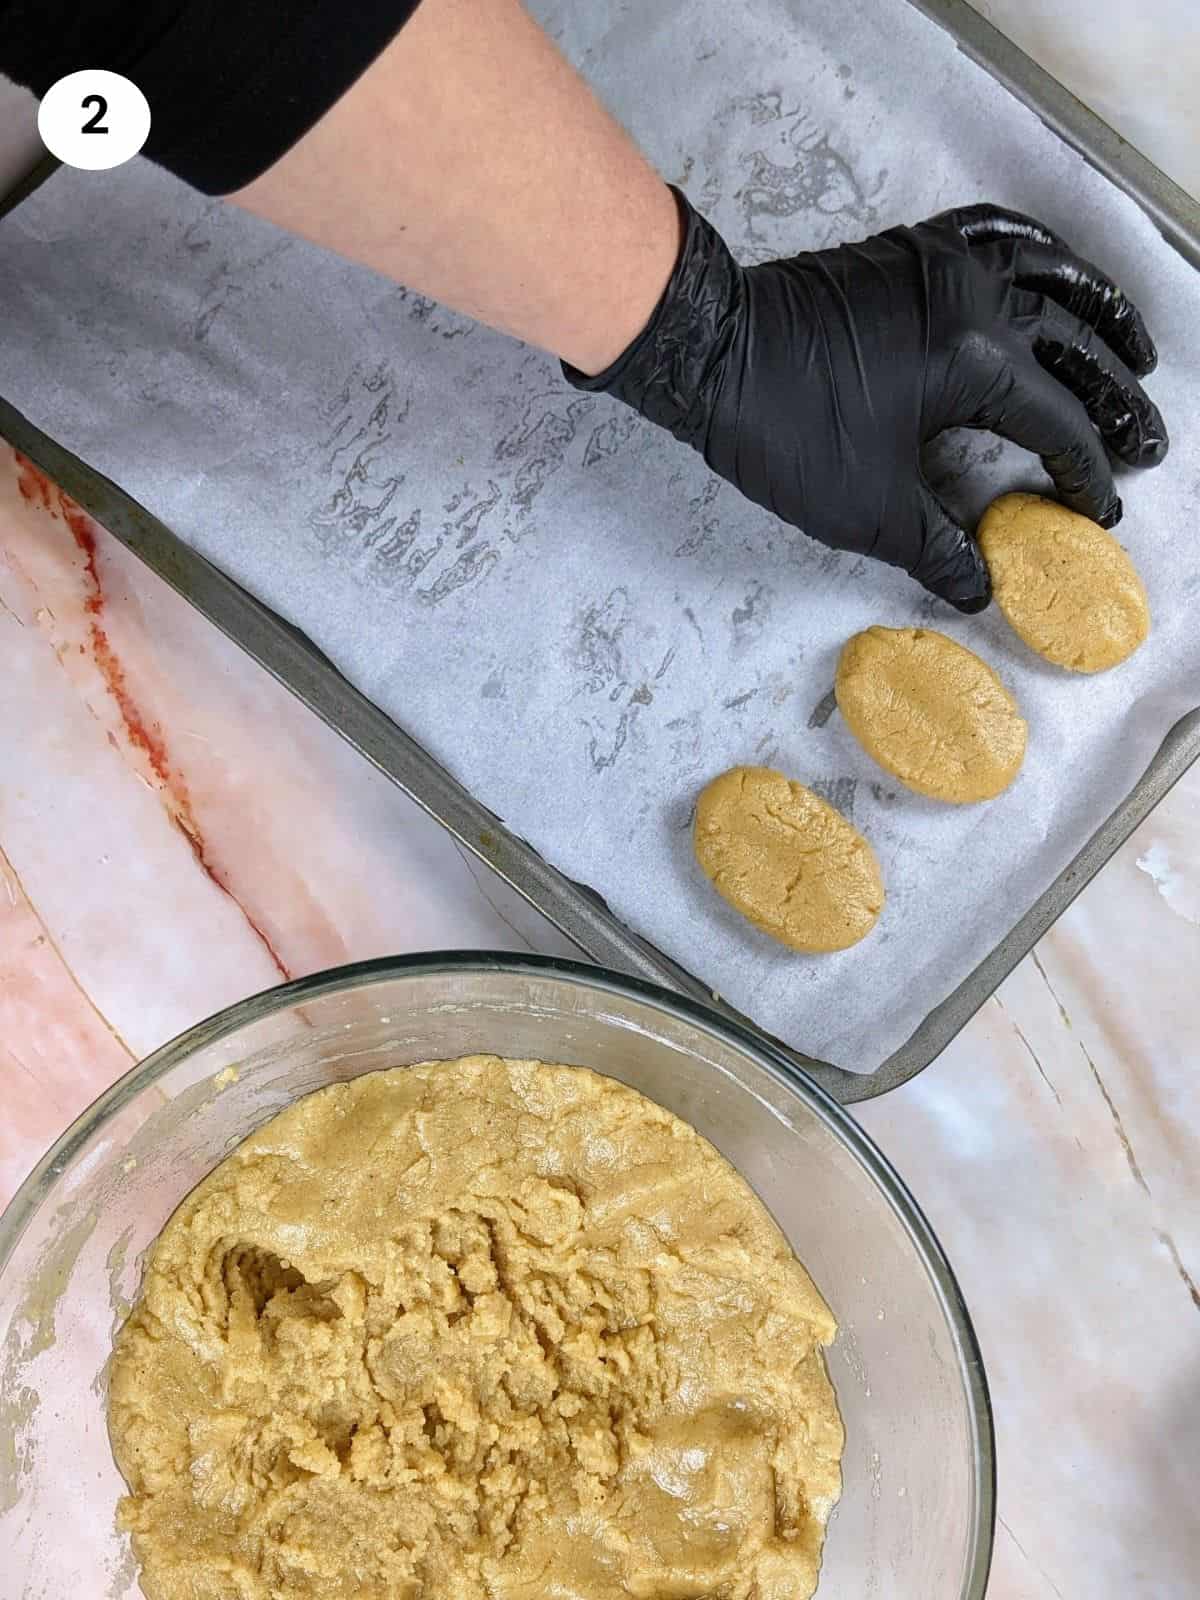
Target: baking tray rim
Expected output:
[575,909]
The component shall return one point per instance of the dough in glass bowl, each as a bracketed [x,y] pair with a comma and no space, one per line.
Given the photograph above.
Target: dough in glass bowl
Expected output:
[475,1330]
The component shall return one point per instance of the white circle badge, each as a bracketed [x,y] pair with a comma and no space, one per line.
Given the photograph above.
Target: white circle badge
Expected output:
[94,119]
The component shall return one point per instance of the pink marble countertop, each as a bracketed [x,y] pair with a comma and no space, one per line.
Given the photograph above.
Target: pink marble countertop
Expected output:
[155,866]
[1136,66]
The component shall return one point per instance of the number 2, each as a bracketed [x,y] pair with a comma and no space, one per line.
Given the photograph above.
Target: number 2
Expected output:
[93,124]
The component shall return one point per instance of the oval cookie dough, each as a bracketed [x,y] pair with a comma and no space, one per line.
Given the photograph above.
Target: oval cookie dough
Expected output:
[792,865]
[1063,582]
[931,713]
[474,1329]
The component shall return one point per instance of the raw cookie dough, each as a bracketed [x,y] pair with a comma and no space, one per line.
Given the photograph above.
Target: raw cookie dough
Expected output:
[1063,582]
[475,1330]
[792,865]
[931,713]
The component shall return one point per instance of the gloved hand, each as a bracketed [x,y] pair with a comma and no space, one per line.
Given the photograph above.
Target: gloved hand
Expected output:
[812,383]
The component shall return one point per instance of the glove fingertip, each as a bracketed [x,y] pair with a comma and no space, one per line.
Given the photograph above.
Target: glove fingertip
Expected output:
[1152,446]
[962,580]
[1113,514]
[951,564]
[971,605]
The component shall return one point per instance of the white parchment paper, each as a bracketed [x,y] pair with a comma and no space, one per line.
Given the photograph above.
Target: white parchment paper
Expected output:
[555,598]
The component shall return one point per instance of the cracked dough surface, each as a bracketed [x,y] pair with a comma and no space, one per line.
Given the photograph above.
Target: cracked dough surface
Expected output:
[931,713]
[1064,583]
[790,863]
[479,1330]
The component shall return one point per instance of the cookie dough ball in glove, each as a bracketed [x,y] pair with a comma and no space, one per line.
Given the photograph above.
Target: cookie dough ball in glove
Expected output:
[1066,586]
[812,383]
[792,865]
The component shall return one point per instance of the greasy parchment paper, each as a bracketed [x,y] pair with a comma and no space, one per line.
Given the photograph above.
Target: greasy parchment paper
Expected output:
[556,599]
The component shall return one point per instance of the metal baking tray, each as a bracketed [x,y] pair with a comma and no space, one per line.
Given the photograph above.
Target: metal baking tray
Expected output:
[575,909]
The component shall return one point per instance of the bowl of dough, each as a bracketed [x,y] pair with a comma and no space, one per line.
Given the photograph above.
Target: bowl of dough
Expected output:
[486,1278]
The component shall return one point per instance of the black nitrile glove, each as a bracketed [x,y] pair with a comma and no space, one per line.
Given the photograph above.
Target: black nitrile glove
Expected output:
[812,383]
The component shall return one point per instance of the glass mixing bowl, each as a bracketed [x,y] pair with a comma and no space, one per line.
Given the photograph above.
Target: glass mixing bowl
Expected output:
[915,1520]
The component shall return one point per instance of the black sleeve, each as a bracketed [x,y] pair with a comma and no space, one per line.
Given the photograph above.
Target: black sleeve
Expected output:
[232,84]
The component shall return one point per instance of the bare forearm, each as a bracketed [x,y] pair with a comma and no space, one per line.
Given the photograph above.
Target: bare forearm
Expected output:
[472,164]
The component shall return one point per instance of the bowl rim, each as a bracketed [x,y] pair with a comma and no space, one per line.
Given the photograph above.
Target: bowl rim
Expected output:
[363,974]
